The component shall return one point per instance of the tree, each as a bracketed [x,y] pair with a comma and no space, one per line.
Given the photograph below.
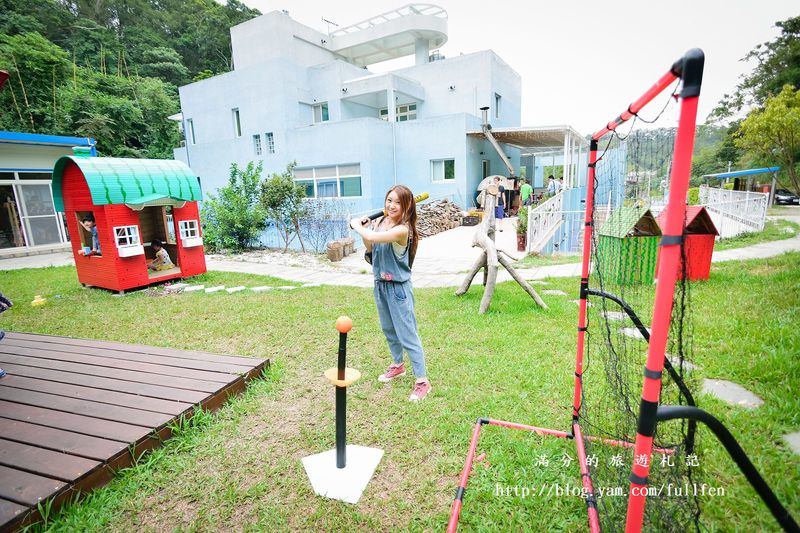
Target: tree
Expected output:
[233,219]
[773,133]
[282,199]
[165,63]
[778,65]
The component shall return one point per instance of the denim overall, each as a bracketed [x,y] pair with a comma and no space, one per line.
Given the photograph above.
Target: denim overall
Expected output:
[395,303]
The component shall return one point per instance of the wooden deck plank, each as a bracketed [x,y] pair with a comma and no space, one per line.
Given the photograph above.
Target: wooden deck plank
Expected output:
[114,413]
[59,440]
[85,425]
[43,462]
[166,360]
[10,510]
[26,488]
[74,411]
[122,364]
[127,375]
[95,395]
[138,348]
[96,382]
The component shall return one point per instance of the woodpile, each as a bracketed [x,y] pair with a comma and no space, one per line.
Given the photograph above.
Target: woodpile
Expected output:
[437,216]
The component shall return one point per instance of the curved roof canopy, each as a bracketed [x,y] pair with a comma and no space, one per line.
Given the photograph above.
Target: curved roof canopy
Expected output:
[136,183]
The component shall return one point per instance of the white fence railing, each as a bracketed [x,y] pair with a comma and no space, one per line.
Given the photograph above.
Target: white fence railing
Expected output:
[735,212]
[543,222]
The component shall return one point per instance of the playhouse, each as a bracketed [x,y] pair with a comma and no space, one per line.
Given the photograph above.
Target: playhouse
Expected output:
[699,233]
[628,246]
[133,202]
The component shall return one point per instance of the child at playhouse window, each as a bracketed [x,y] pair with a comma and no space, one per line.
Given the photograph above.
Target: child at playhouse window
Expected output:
[89,225]
[161,260]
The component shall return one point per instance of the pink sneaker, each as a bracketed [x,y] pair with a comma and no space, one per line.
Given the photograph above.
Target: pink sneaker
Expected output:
[420,390]
[394,371]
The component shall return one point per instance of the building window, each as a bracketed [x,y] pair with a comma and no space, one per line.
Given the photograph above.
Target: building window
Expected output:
[188,229]
[126,236]
[190,131]
[320,112]
[335,181]
[402,112]
[237,122]
[270,142]
[485,166]
[257,144]
[443,169]
[497,99]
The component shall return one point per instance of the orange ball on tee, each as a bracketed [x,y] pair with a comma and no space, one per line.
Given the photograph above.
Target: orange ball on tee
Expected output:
[344,324]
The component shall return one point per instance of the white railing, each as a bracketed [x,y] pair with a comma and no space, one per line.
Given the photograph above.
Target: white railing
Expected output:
[735,212]
[543,222]
[409,9]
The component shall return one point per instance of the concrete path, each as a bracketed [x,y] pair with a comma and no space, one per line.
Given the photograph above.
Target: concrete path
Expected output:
[442,261]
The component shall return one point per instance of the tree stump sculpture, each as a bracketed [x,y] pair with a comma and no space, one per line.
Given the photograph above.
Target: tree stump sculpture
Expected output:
[491,258]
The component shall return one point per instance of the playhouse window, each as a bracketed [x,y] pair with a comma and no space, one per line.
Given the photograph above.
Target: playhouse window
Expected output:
[188,229]
[126,236]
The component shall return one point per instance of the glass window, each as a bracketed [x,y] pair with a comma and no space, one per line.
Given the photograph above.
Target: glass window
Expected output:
[270,142]
[443,169]
[497,98]
[188,229]
[303,173]
[169,224]
[237,123]
[11,235]
[43,230]
[326,189]
[350,186]
[6,176]
[309,186]
[350,170]
[325,172]
[321,112]
[402,113]
[35,175]
[37,200]
[190,130]
[126,235]
[257,144]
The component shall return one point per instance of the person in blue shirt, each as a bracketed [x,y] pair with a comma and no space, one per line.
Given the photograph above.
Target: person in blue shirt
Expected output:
[89,224]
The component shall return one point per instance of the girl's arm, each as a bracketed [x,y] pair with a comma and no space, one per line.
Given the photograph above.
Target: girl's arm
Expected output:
[398,234]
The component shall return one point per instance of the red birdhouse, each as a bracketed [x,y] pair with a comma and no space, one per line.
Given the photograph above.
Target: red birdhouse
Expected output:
[119,210]
[699,233]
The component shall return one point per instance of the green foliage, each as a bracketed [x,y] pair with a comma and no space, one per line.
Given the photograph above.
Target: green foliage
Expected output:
[778,64]
[282,200]
[693,195]
[234,218]
[522,220]
[773,133]
[108,69]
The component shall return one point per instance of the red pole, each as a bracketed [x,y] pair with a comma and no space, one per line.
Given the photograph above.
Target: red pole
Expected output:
[692,74]
[591,501]
[582,303]
[455,510]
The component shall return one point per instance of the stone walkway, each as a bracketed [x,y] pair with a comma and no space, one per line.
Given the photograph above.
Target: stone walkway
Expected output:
[442,261]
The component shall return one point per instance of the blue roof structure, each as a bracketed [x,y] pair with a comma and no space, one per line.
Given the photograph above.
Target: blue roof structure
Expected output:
[740,173]
[16,137]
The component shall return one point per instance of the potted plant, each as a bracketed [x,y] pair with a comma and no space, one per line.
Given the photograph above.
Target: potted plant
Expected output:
[522,228]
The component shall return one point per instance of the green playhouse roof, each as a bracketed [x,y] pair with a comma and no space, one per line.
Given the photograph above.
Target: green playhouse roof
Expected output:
[114,180]
[624,220]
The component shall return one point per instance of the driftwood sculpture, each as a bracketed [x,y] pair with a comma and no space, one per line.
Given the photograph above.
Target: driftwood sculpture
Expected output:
[491,258]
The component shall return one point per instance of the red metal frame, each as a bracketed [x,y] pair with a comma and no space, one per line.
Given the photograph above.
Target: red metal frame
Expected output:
[667,275]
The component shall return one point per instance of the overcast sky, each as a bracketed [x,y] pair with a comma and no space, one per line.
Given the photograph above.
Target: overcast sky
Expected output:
[582,62]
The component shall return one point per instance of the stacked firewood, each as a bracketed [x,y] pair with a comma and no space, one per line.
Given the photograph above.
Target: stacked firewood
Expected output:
[437,216]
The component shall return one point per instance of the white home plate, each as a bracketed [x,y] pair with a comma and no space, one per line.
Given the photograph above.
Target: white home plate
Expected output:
[346,484]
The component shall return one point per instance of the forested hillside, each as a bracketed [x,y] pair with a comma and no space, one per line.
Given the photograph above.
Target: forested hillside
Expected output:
[110,69]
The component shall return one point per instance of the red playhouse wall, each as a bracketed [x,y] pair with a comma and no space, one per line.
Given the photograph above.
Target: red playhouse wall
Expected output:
[108,270]
[699,236]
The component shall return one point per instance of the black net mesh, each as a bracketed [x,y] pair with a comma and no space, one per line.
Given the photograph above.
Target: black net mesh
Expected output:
[630,186]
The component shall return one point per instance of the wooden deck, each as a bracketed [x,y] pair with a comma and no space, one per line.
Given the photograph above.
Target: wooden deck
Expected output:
[73,411]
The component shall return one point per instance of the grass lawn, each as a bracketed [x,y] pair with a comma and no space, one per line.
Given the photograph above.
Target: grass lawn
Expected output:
[239,468]
[536,260]
[774,230]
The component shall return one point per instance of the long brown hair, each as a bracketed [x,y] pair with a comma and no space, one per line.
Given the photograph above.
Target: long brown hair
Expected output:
[409,217]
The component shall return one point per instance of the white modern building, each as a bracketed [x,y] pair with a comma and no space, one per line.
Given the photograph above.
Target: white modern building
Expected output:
[296,94]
